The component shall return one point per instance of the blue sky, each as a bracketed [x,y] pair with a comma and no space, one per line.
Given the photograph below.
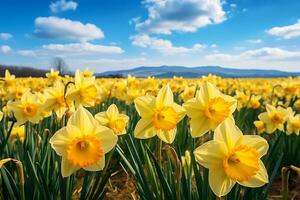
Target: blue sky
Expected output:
[119,34]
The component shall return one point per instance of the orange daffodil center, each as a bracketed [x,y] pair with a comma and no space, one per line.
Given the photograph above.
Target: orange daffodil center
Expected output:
[217,110]
[165,118]
[241,163]
[117,125]
[84,151]
[30,110]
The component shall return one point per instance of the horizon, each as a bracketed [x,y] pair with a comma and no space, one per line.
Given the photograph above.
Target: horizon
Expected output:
[113,35]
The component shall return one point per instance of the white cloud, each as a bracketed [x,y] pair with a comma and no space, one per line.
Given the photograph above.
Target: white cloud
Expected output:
[165,16]
[265,53]
[233,5]
[62,5]
[5,49]
[61,28]
[82,48]
[286,32]
[5,36]
[164,46]
[27,53]
[257,41]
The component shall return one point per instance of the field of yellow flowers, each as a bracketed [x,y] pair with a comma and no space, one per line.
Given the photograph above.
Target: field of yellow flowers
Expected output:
[207,138]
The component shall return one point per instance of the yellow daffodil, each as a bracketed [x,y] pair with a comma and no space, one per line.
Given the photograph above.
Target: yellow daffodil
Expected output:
[260,126]
[188,93]
[53,75]
[297,104]
[17,132]
[83,143]
[208,109]
[159,116]
[241,98]
[254,102]
[26,109]
[232,157]
[274,118]
[55,100]
[84,92]
[186,163]
[293,124]
[112,119]
[9,80]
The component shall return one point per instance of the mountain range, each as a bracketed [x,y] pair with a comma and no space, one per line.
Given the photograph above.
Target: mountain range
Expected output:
[194,72]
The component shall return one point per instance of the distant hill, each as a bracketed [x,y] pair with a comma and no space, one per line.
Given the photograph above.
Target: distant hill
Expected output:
[194,72]
[21,71]
[162,72]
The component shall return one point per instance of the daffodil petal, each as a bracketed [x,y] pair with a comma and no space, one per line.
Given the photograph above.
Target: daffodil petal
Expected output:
[199,126]
[164,97]
[228,133]
[179,110]
[211,154]
[60,140]
[112,111]
[256,142]
[144,106]
[84,120]
[101,118]
[67,168]
[98,166]
[144,129]
[167,136]
[219,183]
[108,139]
[193,108]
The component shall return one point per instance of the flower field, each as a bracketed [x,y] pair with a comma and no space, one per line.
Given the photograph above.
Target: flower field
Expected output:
[207,138]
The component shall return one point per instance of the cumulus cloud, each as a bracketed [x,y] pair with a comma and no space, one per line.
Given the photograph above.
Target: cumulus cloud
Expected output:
[286,32]
[61,28]
[164,46]
[62,5]
[265,53]
[5,49]
[165,16]
[5,36]
[82,48]
[27,53]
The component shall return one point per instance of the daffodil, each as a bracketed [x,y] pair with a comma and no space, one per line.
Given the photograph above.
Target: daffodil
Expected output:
[254,102]
[112,119]
[232,157]
[83,143]
[84,92]
[9,80]
[159,116]
[208,109]
[53,75]
[260,126]
[293,124]
[26,109]
[55,100]
[18,132]
[186,163]
[274,118]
